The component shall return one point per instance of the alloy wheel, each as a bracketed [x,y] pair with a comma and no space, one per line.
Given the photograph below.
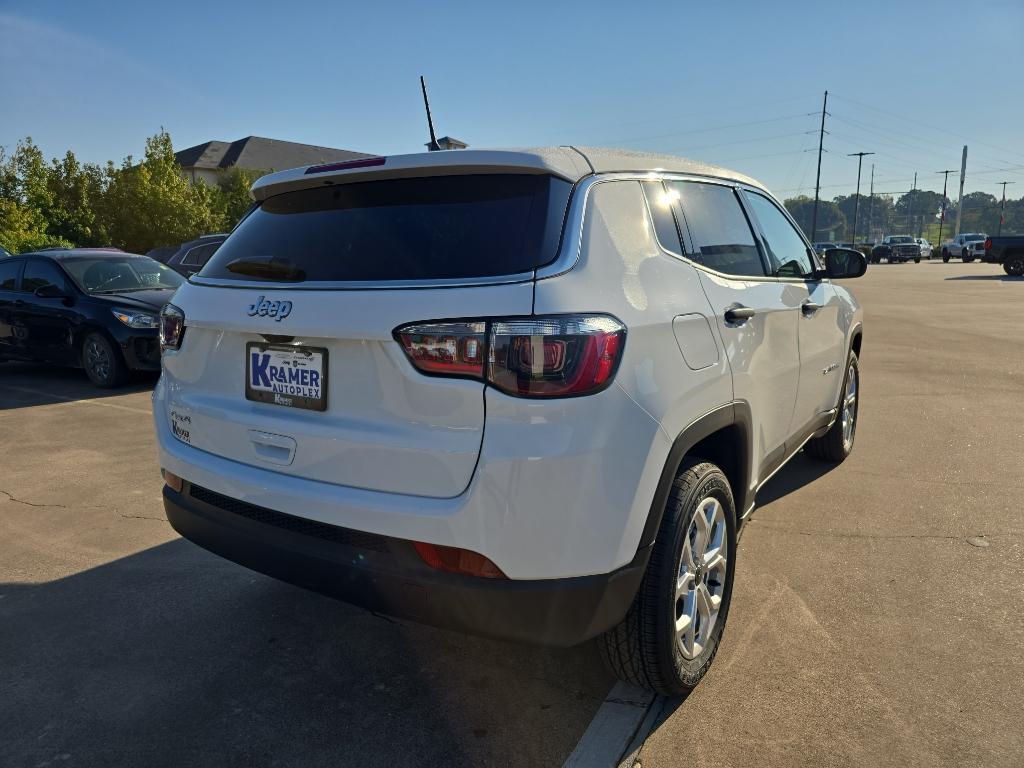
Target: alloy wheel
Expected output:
[850,408]
[97,359]
[700,584]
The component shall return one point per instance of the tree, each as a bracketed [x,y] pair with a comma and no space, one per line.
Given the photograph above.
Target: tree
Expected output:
[23,228]
[74,189]
[831,221]
[151,204]
[232,198]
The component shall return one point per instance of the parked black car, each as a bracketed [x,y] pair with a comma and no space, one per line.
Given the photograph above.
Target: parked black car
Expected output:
[190,257]
[1007,250]
[90,308]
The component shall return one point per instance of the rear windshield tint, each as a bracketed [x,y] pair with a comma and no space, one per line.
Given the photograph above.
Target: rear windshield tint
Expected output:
[436,228]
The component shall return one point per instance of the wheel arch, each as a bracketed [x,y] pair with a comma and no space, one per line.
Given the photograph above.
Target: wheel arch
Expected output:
[722,436]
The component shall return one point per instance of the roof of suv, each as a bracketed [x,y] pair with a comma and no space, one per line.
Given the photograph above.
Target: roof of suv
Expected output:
[570,163]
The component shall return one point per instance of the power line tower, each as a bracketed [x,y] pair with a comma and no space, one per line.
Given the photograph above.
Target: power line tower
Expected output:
[817,183]
[871,203]
[1002,207]
[856,199]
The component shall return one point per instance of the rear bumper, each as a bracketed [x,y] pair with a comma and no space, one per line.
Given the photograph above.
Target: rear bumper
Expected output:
[386,575]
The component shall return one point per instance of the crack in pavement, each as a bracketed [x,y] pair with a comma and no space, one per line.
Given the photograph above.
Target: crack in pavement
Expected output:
[16,500]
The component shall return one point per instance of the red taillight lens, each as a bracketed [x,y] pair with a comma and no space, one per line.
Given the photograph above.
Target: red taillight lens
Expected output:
[447,349]
[988,244]
[455,560]
[554,356]
[172,327]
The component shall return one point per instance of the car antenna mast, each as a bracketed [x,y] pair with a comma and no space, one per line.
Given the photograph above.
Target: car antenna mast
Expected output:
[433,146]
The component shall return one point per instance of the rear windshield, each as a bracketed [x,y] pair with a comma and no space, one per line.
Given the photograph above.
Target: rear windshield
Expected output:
[436,228]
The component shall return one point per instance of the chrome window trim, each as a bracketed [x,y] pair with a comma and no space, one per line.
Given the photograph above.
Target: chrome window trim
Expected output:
[572,237]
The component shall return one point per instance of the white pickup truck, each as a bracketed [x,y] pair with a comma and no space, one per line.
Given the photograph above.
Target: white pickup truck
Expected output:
[968,247]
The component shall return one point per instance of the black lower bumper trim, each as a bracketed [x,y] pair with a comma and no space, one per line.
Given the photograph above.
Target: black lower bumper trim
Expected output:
[390,578]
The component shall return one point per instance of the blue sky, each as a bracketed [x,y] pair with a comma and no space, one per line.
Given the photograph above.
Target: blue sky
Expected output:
[734,83]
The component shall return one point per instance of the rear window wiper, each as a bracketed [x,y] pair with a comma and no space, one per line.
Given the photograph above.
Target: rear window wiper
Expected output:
[267,268]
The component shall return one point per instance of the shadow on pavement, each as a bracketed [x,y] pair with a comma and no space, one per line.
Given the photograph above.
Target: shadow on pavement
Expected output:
[1007,278]
[27,384]
[174,657]
[800,471]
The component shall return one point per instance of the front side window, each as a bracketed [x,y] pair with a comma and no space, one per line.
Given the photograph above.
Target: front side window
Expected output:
[718,229]
[786,249]
[39,274]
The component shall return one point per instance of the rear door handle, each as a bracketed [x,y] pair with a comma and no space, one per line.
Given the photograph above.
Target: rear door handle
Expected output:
[18,303]
[738,315]
[809,307]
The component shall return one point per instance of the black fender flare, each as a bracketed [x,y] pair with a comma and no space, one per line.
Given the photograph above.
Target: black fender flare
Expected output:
[735,416]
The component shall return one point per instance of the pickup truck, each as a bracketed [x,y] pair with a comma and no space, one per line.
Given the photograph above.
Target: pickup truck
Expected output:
[968,247]
[1008,251]
[896,248]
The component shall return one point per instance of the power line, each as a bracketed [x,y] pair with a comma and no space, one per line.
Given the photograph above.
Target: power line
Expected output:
[928,125]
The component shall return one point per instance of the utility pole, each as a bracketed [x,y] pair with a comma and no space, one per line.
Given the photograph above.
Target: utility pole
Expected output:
[910,206]
[1002,206]
[960,196]
[871,201]
[856,199]
[433,146]
[817,183]
[942,214]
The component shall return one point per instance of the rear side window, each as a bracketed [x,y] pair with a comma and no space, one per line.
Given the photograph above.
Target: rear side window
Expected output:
[9,274]
[435,228]
[41,273]
[198,256]
[718,228]
[659,202]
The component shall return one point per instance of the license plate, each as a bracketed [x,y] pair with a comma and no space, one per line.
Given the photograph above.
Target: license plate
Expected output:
[295,377]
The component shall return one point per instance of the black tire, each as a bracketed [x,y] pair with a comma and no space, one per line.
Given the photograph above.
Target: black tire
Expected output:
[832,446]
[643,649]
[945,256]
[1014,265]
[917,260]
[103,362]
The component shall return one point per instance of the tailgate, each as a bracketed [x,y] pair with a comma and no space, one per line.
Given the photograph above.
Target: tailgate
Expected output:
[383,425]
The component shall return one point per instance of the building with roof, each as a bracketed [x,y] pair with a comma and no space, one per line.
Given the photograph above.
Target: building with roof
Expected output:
[206,161]
[448,142]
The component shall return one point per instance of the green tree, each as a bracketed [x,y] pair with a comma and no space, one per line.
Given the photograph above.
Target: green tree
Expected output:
[232,198]
[151,204]
[74,192]
[23,228]
[831,221]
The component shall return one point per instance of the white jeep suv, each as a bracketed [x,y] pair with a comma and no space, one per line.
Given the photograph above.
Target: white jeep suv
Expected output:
[528,394]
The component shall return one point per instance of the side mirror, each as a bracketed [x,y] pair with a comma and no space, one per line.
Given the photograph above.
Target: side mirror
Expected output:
[50,292]
[842,263]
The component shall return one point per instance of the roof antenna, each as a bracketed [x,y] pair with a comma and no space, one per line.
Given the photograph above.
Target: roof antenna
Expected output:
[433,146]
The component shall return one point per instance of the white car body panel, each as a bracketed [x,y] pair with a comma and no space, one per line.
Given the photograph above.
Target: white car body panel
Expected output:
[545,489]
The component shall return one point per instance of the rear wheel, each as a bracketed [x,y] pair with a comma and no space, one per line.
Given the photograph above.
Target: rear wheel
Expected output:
[1014,265]
[670,636]
[103,362]
[945,256]
[836,444]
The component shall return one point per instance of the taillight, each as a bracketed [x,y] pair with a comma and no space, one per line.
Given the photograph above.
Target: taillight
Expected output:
[172,327]
[988,244]
[447,349]
[555,356]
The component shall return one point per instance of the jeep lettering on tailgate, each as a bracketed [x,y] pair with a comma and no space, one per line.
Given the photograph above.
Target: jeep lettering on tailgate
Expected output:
[278,310]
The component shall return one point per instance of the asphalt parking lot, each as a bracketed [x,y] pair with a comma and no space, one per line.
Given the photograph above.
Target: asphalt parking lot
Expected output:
[877,619]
